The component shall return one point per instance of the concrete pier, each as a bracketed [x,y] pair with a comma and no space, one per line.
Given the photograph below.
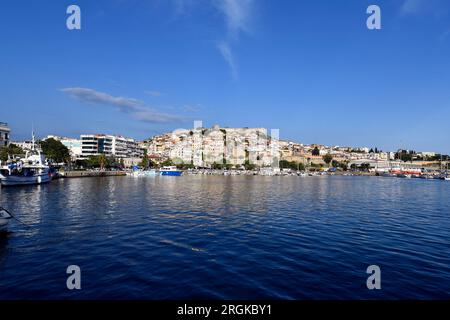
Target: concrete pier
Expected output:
[87,174]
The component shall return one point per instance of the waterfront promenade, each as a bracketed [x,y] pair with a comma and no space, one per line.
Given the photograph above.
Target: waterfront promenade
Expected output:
[86,174]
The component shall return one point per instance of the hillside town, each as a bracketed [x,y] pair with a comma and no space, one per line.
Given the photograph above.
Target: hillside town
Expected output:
[228,148]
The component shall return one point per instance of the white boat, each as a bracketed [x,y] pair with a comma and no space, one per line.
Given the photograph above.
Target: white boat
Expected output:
[144,173]
[29,170]
[447,178]
[170,171]
[5,217]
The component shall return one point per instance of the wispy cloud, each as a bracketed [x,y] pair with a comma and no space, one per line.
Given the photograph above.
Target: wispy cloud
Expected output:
[412,6]
[154,93]
[182,6]
[227,54]
[134,107]
[237,14]
[191,108]
[418,7]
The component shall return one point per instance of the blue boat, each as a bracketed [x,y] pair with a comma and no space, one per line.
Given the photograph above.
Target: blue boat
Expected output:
[170,171]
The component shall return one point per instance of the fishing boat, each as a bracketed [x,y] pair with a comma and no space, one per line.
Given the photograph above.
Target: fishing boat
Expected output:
[138,172]
[32,169]
[5,217]
[170,171]
[145,173]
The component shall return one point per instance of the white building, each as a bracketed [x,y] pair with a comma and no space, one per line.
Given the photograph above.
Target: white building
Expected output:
[5,132]
[218,145]
[24,145]
[96,144]
[110,145]
[427,154]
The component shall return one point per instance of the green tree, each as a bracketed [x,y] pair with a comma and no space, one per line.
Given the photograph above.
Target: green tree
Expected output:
[335,164]
[284,164]
[217,166]
[100,161]
[10,150]
[249,166]
[316,152]
[55,150]
[166,163]
[327,158]
[145,163]
[404,155]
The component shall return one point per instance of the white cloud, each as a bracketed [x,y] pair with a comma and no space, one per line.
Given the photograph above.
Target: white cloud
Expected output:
[416,7]
[412,6]
[191,108]
[182,6]
[154,93]
[136,108]
[237,14]
[227,54]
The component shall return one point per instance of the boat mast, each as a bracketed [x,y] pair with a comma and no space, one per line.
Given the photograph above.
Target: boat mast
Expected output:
[32,139]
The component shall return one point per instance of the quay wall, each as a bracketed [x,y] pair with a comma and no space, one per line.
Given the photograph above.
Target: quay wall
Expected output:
[87,174]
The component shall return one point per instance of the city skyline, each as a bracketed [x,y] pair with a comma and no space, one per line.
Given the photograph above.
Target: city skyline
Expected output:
[237,63]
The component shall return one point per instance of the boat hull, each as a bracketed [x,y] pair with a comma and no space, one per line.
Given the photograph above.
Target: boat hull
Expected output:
[4,224]
[18,180]
[149,173]
[171,173]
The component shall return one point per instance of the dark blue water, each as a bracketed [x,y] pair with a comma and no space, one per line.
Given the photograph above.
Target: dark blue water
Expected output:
[228,238]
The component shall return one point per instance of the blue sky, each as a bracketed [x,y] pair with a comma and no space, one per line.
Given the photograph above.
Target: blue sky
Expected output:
[308,67]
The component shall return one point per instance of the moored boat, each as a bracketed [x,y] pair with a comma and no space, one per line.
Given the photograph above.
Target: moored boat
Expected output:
[143,173]
[170,171]
[5,217]
[27,171]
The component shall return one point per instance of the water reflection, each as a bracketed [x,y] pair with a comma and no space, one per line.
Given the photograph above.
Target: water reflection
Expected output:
[3,246]
[229,237]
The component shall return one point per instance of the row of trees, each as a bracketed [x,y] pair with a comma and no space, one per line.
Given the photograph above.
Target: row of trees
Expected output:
[284,164]
[11,150]
[53,149]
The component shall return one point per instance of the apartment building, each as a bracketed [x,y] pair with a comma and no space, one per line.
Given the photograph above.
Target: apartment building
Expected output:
[110,145]
[5,133]
[96,144]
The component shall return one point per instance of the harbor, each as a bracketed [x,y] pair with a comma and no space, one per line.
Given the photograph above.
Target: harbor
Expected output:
[214,237]
[224,159]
